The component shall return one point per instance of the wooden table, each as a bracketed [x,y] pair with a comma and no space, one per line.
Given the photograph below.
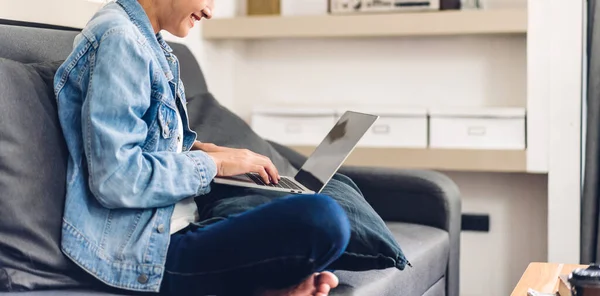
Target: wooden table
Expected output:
[543,277]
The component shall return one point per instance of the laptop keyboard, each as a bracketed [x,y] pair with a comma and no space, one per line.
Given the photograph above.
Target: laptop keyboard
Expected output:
[283,183]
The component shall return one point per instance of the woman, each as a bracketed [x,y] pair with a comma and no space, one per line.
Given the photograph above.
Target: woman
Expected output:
[134,169]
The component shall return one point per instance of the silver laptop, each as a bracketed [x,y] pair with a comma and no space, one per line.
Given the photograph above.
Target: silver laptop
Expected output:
[322,164]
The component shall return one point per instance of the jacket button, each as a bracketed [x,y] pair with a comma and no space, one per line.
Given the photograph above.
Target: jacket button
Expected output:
[160,228]
[142,279]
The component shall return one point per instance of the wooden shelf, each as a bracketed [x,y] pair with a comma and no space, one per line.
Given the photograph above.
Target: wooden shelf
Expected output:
[370,25]
[436,159]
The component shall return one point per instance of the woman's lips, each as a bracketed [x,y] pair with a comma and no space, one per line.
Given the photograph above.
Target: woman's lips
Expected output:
[193,19]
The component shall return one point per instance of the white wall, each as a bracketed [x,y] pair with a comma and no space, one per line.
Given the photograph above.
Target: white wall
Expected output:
[565,51]
[492,263]
[55,12]
[448,71]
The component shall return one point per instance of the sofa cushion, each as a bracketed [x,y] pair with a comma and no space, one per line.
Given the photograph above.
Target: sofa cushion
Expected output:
[438,289]
[191,75]
[427,248]
[33,160]
[216,124]
[33,45]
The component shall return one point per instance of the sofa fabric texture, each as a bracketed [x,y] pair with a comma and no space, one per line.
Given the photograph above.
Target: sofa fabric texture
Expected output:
[216,124]
[32,180]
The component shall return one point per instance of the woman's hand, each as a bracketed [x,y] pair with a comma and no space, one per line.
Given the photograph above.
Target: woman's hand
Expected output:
[208,147]
[232,162]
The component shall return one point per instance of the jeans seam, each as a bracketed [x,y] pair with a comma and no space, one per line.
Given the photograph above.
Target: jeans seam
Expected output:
[237,267]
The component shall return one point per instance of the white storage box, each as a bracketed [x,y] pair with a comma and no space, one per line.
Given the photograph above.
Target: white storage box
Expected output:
[486,128]
[293,126]
[304,7]
[396,127]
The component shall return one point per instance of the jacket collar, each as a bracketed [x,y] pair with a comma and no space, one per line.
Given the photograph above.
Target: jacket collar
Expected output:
[138,16]
[163,43]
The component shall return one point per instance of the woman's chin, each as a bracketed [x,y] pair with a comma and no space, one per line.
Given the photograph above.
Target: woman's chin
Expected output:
[181,32]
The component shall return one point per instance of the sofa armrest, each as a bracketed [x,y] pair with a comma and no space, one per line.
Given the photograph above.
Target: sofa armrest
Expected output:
[411,196]
[414,196]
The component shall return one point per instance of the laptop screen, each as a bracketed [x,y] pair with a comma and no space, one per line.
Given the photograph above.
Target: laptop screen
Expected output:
[334,149]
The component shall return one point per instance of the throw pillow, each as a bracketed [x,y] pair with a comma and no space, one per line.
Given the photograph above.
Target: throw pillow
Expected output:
[372,245]
[33,160]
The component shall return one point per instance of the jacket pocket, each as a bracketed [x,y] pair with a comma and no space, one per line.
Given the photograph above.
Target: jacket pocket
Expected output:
[167,120]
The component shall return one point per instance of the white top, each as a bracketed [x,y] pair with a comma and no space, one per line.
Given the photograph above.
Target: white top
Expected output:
[186,210]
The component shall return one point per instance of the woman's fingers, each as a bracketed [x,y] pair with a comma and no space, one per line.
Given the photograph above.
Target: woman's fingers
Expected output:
[269,167]
[233,162]
[262,172]
[272,171]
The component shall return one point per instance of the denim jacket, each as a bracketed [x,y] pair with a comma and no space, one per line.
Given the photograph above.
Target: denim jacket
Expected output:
[117,94]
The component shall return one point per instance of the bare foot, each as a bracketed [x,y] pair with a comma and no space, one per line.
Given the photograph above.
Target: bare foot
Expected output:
[319,284]
[324,282]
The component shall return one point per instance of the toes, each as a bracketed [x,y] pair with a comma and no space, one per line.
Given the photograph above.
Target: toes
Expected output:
[328,278]
[323,288]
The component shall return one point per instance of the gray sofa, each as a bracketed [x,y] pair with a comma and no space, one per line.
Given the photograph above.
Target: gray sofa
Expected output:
[422,208]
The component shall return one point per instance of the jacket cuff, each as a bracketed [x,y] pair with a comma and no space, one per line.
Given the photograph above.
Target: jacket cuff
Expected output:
[206,168]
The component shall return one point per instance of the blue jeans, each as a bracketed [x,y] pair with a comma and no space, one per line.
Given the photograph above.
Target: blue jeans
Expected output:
[275,245]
